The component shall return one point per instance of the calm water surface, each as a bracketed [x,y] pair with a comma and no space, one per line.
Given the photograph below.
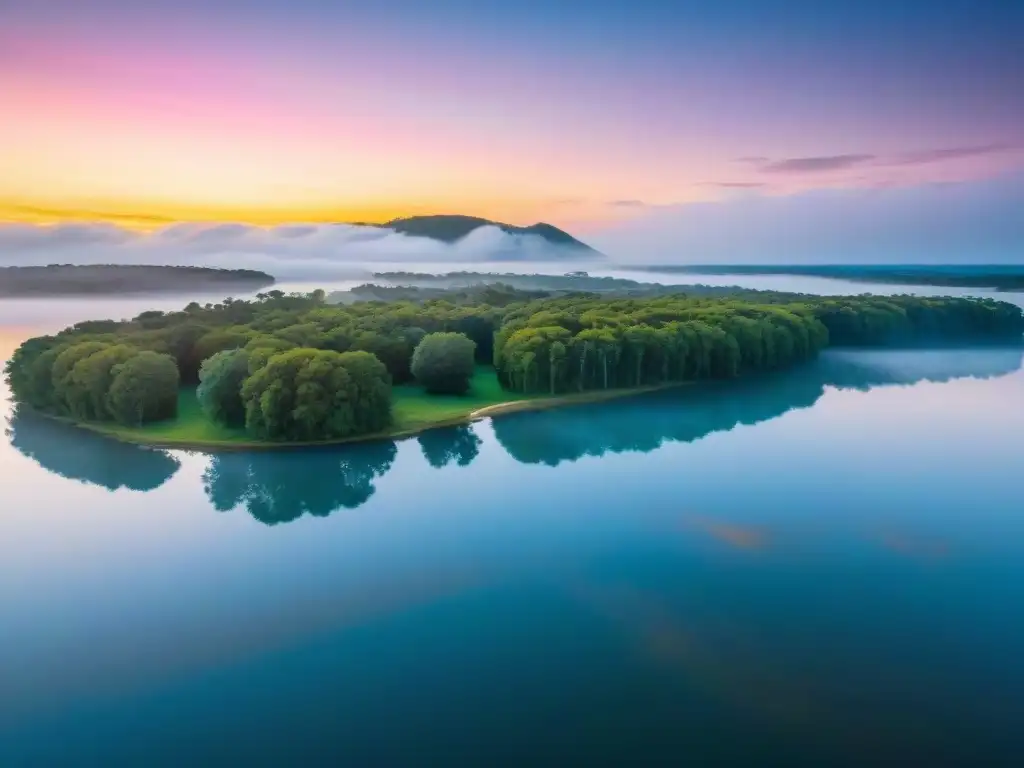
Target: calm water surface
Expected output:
[823,567]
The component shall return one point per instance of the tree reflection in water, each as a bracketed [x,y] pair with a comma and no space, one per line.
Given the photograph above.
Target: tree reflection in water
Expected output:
[78,454]
[645,422]
[281,486]
[447,444]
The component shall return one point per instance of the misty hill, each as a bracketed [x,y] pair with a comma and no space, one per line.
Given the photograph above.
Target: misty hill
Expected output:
[100,279]
[450,228]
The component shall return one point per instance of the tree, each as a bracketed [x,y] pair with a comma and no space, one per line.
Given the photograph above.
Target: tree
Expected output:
[18,371]
[66,392]
[261,348]
[444,363]
[144,388]
[217,341]
[179,341]
[89,382]
[311,394]
[392,349]
[220,386]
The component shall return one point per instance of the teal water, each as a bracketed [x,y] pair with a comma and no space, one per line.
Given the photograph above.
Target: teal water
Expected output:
[823,567]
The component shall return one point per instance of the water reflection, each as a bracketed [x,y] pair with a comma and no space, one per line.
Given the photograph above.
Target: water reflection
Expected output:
[450,444]
[89,458]
[276,487]
[684,415]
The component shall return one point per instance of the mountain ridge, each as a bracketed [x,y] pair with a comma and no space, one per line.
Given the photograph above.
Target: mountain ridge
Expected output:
[449,228]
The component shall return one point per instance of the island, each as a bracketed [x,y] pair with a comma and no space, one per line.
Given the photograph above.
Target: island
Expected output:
[292,370]
[997,277]
[119,279]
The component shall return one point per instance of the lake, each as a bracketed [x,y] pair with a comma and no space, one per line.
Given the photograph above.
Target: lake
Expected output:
[820,567]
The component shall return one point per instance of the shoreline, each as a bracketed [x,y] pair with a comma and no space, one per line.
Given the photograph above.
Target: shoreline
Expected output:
[479,414]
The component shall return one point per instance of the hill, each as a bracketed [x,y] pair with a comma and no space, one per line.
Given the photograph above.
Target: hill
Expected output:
[449,228]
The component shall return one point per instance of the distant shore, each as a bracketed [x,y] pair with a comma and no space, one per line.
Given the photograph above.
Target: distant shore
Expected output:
[58,280]
[996,277]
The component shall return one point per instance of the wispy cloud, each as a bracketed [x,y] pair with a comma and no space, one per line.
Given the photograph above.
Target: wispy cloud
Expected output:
[80,214]
[734,184]
[826,163]
[816,164]
[627,203]
[948,153]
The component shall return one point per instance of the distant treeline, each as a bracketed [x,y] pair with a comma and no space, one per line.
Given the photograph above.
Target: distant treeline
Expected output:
[995,277]
[69,279]
[308,370]
[572,282]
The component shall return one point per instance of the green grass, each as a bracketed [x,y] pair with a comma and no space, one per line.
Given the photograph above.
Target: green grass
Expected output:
[189,426]
[413,409]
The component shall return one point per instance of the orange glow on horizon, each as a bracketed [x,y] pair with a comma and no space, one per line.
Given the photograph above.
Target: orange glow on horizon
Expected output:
[579,215]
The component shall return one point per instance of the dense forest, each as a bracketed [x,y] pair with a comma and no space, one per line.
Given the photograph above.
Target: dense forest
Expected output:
[110,279]
[294,368]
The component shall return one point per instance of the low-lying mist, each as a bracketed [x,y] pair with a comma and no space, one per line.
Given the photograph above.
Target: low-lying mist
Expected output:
[294,252]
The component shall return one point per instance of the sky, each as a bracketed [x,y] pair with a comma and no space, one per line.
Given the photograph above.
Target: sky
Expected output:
[621,122]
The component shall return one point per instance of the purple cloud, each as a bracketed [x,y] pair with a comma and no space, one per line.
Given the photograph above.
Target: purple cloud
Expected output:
[949,153]
[816,164]
[824,163]
[734,184]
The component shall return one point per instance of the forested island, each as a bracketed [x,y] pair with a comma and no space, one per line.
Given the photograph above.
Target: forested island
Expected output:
[994,277]
[293,369]
[109,279]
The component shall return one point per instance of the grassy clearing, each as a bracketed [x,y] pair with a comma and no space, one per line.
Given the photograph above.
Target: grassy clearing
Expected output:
[190,426]
[414,411]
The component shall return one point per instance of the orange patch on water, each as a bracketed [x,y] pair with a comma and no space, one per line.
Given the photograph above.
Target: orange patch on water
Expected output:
[915,546]
[736,536]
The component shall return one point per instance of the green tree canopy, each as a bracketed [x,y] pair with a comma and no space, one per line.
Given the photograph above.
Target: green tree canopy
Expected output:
[311,394]
[89,382]
[144,388]
[443,363]
[220,386]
